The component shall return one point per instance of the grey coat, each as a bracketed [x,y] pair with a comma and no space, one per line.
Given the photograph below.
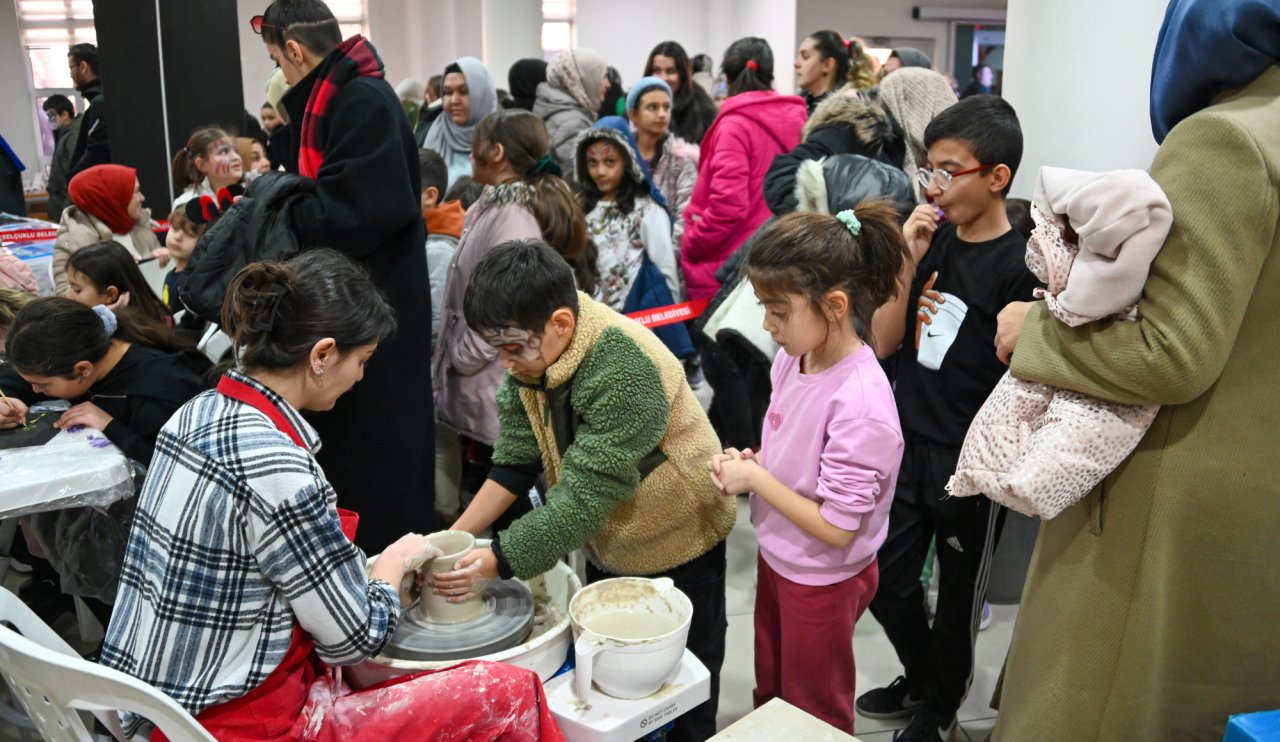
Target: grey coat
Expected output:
[564,119]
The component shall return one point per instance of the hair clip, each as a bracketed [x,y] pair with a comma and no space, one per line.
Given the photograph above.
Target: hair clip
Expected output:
[108,318]
[850,221]
[751,65]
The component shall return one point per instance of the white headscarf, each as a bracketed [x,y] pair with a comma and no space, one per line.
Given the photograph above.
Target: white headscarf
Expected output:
[448,137]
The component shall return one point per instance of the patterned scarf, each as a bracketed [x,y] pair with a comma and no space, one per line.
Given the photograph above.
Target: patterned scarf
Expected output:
[353,58]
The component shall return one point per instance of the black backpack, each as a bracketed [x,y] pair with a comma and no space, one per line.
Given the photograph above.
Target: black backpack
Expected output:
[255,228]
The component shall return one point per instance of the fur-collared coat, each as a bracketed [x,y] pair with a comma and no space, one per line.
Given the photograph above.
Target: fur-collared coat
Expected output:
[840,125]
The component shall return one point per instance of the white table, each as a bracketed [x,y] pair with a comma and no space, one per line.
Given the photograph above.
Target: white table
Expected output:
[76,468]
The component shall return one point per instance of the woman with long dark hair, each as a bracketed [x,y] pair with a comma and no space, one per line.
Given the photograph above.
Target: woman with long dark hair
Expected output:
[822,66]
[692,109]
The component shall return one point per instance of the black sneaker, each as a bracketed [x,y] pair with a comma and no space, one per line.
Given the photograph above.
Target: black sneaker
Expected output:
[891,702]
[926,727]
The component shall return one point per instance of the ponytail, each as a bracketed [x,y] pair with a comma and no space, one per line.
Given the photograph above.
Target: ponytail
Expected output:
[185,171]
[748,65]
[276,312]
[831,45]
[811,254]
[526,147]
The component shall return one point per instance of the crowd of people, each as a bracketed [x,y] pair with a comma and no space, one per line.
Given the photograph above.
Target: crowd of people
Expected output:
[450,320]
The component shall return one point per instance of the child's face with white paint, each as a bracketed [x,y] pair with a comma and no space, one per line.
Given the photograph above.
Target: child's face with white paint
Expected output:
[604,165]
[221,164]
[527,353]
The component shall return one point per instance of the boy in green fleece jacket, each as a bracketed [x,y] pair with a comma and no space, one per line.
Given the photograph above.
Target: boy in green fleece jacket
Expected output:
[599,404]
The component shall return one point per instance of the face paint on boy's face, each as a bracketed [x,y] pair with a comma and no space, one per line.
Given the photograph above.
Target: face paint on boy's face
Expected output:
[521,345]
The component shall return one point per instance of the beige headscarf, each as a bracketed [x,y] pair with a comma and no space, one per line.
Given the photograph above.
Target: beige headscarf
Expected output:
[578,72]
[913,96]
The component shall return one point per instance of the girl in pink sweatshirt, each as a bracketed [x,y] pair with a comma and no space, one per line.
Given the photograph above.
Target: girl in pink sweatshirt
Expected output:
[823,480]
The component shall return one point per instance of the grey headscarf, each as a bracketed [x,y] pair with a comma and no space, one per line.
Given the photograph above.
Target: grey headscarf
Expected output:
[448,137]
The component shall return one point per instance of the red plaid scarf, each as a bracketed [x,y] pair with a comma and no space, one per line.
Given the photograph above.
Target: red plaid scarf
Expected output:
[353,58]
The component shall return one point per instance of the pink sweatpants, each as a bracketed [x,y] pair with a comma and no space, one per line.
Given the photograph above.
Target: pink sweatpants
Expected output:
[804,642]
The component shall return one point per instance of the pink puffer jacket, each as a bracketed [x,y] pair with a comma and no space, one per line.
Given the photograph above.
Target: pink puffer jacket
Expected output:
[728,201]
[1035,448]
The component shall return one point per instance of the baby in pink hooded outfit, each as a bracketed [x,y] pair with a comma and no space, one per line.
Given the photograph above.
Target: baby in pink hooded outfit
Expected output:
[1035,448]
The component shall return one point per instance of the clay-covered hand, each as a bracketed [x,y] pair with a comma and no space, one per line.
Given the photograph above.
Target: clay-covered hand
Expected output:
[470,576]
[404,558]
[87,414]
[739,475]
[13,412]
[717,462]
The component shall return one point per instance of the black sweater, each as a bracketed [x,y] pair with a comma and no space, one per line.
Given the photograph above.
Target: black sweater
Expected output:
[141,393]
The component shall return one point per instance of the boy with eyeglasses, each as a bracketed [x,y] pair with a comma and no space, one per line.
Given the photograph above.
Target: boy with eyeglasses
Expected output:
[967,265]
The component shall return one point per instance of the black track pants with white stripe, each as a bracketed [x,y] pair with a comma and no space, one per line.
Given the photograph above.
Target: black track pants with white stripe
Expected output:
[937,659]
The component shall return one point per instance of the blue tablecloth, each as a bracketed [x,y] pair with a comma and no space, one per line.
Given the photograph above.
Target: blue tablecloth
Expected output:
[36,254]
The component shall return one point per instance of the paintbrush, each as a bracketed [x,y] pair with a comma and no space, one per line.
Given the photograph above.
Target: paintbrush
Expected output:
[6,396]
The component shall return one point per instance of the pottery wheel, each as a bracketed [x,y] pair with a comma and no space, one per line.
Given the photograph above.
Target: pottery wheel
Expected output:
[505,620]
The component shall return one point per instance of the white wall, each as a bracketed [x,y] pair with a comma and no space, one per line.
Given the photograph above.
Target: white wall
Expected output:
[626,32]
[1101,125]
[414,38]
[889,18]
[255,65]
[18,113]
[512,31]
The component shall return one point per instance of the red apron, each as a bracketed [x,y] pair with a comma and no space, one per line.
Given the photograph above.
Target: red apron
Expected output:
[304,699]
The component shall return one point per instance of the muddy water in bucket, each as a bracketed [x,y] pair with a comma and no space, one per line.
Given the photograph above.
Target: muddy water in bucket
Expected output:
[630,635]
[435,629]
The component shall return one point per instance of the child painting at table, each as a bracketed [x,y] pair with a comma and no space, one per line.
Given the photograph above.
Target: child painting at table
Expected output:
[105,273]
[824,478]
[123,377]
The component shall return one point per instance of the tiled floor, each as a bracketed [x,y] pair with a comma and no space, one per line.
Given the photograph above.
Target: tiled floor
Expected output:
[877,663]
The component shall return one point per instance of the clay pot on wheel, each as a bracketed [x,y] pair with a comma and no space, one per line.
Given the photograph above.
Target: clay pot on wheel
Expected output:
[433,607]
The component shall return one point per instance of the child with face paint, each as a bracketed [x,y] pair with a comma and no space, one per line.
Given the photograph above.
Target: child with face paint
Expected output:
[626,215]
[208,163]
[597,403]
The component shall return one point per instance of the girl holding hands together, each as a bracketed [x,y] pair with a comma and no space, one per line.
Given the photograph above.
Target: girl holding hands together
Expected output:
[824,478]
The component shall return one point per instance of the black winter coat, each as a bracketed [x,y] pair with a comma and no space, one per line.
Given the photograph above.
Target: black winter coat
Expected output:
[92,148]
[840,126]
[379,438]
[256,228]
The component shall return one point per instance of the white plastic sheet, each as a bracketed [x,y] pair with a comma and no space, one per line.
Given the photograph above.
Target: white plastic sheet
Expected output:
[76,469]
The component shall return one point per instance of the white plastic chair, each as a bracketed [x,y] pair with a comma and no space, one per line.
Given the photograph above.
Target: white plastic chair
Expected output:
[53,683]
[214,344]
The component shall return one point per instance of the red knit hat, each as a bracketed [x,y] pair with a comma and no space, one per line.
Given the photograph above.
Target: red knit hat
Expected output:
[104,191]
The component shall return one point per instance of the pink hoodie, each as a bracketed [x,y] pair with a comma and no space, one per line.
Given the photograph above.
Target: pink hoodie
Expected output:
[728,203]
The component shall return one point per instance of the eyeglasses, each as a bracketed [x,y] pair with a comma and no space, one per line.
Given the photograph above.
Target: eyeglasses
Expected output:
[257,23]
[942,179]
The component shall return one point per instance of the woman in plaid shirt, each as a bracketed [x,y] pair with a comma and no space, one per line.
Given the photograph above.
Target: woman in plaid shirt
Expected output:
[241,587]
